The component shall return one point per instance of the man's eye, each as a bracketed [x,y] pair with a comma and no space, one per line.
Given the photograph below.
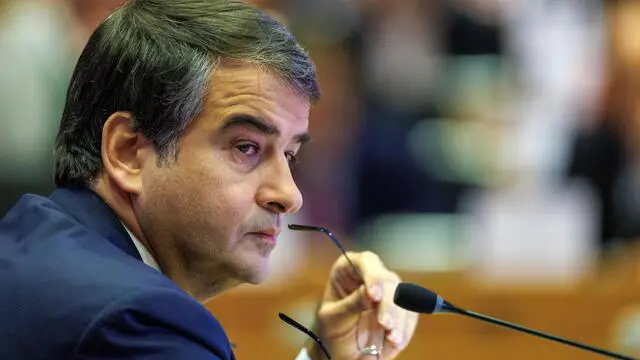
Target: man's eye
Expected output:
[248,149]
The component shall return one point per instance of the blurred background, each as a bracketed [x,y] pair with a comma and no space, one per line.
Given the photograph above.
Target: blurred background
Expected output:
[486,149]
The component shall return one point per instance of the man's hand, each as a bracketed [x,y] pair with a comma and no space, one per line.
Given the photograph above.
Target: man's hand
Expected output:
[346,299]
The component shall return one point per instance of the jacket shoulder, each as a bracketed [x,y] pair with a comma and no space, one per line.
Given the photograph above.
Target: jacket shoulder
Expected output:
[154,323]
[57,273]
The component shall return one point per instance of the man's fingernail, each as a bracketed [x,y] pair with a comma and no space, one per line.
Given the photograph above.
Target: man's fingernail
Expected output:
[395,336]
[376,293]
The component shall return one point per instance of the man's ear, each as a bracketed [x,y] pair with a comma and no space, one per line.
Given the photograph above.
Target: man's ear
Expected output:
[123,152]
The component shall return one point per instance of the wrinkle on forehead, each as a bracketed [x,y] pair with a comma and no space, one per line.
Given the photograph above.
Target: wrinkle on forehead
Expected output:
[251,87]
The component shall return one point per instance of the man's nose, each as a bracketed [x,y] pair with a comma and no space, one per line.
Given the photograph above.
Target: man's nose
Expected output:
[279,192]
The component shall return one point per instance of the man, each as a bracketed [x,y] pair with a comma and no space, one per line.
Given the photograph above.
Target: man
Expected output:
[172,167]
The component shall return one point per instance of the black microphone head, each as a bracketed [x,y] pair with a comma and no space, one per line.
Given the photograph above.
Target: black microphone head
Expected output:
[417,299]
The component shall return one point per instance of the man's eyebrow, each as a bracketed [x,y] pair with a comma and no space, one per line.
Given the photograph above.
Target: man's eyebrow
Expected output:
[302,138]
[249,121]
[259,124]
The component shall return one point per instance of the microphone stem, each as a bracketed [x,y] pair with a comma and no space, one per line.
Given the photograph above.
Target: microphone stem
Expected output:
[537,333]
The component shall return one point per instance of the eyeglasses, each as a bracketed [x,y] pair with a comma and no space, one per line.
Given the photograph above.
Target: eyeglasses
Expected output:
[364,350]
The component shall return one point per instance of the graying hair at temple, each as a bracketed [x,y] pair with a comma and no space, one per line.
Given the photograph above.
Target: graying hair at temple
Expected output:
[154,58]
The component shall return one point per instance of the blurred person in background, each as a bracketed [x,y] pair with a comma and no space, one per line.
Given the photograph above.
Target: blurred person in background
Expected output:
[385,63]
[35,65]
[414,55]
[605,149]
[39,43]
[440,99]
[172,167]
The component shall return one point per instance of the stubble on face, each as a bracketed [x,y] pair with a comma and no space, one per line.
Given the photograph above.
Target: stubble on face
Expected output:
[199,211]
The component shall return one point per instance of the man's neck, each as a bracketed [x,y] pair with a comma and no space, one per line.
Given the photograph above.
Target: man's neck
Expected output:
[120,202]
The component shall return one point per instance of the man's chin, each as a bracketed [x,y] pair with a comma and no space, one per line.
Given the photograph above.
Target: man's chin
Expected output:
[258,277]
[255,275]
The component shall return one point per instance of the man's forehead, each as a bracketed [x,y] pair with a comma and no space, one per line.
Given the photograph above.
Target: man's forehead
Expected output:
[249,85]
[228,80]
[248,91]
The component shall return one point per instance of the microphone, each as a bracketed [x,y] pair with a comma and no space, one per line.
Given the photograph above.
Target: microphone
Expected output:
[308,332]
[415,298]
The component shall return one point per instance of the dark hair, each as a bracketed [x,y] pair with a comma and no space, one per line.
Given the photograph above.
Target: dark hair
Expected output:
[154,58]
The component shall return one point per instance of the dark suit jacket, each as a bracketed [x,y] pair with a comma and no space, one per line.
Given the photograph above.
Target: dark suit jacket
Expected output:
[73,286]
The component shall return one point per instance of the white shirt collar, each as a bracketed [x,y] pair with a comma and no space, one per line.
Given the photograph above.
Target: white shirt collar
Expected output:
[146,256]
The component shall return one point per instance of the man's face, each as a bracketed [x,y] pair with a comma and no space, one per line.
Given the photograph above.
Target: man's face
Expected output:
[216,211]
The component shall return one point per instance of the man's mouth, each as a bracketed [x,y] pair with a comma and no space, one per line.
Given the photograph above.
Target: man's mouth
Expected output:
[267,235]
